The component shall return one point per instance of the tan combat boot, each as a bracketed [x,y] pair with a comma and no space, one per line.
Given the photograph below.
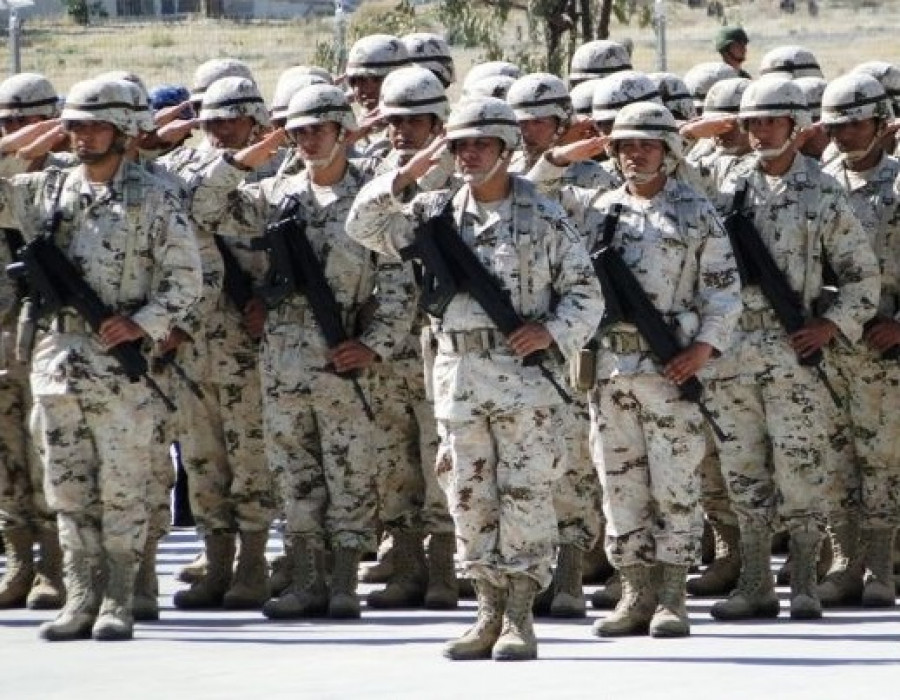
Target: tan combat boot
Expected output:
[568,595]
[517,641]
[636,607]
[479,640]
[279,575]
[343,603]
[443,588]
[81,574]
[16,582]
[47,591]
[755,595]
[250,585]
[671,618]
[878,591]
[720,577]
[306,595]
[115,622]
[145,604]
[406,587]
[195,571]
[209,592]
[805,545]
[608,596]
[843,584]
[382,570]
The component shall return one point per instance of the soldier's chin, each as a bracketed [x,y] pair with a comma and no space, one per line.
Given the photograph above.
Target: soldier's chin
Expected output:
[637,177]
[90,157]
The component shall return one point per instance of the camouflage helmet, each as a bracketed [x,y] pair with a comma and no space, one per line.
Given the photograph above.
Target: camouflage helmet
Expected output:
[233,97]
[724,98]
[215,69]
[854,97]
[596,59]
[675,95]
[489,86]
[583,96]
[26,95]
[700,78]
[730,35]
[888,75]
[109,101]
[488,69]
[317,104]
[647,121]
[141,103]
[290,82]
[484,116]
[774,96]
[413,90]
[623,88]
[812,89]
[126,75]
[539,95]
[431,52]
[795,61]
[375,55]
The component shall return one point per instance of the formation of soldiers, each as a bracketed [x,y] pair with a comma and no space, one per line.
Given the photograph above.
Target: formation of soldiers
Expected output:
[554,329]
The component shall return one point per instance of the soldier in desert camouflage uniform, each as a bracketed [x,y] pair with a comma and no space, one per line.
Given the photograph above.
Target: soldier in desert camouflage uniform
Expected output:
[498,448]
[25,518]
[316,434]
[772,406]
[864,487]
[126,231]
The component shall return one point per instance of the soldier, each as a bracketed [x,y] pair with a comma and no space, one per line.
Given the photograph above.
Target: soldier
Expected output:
[488,86]
[148,272]
[489,69]
[649,441]
[596,59]
[731,44]
[25,518]
[318,440]
[411,503]
[855,112]
[771,408]
[815,140]
[792,61]
[290,82]
[221,435]
[496,461]
[430,51]
[701,77]
[675,95]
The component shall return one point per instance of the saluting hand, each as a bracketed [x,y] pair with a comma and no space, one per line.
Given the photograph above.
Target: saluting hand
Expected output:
[586,149]
[419,165]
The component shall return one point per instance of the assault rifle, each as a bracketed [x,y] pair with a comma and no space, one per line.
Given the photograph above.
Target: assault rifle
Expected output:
[294,268]
[237,283]
[450,267]
[761,269]
[627,302]
[55,283]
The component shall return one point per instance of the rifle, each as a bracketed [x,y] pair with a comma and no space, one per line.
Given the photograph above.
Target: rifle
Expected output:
[167,359]
[294,268]
[452,267]
[763,271]
[14,243]
[238,284]
[54,283]
[630,303]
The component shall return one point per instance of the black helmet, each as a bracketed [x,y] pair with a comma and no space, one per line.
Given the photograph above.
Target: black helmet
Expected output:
[730,35]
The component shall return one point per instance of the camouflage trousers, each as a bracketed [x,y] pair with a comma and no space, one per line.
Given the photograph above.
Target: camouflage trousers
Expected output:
[96,449]
[22,500]
[497,473]
[221,436]
[576,494]
[652,444]
[864,440]
[319,442]
[405,451]
[773,459]
[713,491]
[165,428]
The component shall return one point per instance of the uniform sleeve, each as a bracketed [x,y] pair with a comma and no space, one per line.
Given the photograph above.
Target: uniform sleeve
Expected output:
[393,318]
[178,279]
[378,220]
[854,262]
[220,201]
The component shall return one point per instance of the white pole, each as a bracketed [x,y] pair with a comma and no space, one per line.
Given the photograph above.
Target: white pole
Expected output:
[659,19]
[15,31]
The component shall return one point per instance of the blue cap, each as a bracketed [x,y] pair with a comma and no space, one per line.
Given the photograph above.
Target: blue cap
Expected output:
[168,96]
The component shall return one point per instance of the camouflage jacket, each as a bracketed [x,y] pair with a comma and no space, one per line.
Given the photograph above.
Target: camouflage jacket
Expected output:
[532,250]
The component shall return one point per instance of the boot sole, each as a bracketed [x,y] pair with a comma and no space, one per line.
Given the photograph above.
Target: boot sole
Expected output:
[113,636]
[45,604]
[50,635]
[633,632]
[514,657]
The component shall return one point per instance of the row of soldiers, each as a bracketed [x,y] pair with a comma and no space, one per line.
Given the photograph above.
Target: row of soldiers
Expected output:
[452,430]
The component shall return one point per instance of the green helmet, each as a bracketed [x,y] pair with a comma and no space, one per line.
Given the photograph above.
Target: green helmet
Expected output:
[730,35]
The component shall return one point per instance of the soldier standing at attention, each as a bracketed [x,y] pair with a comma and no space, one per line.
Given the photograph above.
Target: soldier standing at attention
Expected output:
[126,232]
[498,451]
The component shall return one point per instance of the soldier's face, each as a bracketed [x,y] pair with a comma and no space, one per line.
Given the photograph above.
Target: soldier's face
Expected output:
[538,134]
[366,89]
[769,133]
[476,157]
[91,141]
[641,156]
[410,132]
[735,140]
[315,142]
[229,133]
[853,136]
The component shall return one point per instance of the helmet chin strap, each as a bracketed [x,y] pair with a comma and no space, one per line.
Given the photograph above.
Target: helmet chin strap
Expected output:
[322,163]
[773,153]
[481,178]
[637,178]
[861,154]
[118,147]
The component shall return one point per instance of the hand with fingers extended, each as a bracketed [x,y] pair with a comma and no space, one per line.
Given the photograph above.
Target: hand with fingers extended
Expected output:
[883,334]
[707,127]
[814,336]
[586,149]
[167,115]
[43,144]
[579,130]
[27,135]
[419,165]
[261,152]
[688,362]
[177,130]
